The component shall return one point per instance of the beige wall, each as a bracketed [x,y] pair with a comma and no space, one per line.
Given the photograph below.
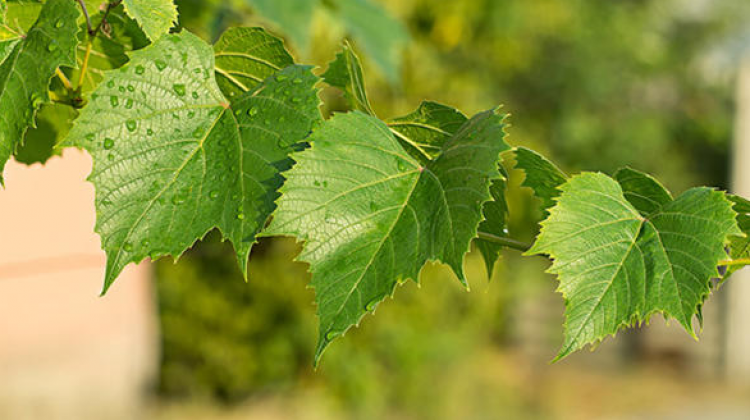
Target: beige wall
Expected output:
[65,352]
[738,305]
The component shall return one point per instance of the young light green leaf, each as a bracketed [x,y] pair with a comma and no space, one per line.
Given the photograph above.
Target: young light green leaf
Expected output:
[345,73]
[382,37]
[247,56]
[424,131]
[617,267]
[293,17]
[20,16]
[28,67]
[644,192]
[371,215]
[9,36]
[156,17]
[172,160]
[542,176]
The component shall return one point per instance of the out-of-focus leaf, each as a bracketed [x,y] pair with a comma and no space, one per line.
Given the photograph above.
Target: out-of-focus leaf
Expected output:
[291,17]
[380,34]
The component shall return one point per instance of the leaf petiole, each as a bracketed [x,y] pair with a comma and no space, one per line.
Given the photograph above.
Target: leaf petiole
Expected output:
[739,261]
[86,15]
[64,79]
[508,242]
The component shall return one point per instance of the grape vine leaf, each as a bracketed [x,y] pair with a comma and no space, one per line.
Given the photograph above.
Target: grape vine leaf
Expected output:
[119,36]
[156,17]
[495,221]
[371,215]
[644,192]
[345,73]
[617,267]
[53,122]
[382,37]
[294,17]
[9,36]
[20,16]
[542,176]
[173,160]
[424,131]
[26,72]
[245,57]
[739,245]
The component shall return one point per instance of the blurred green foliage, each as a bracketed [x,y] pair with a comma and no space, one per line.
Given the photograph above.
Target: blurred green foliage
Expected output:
[597,85]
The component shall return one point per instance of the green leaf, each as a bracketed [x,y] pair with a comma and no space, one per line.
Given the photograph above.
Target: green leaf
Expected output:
[542,176]
[172,160]
[245,57]
[26,72]
[345,73]
[156,17]
[9,36]
[617,268]
[121,35]
[292,17]
[424,131]
[382,37]
[739,245]
[53,122]
[495,222]
[371,215]
[20,16]
[645,193]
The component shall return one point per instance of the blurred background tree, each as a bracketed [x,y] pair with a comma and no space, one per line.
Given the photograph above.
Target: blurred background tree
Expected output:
[597,85]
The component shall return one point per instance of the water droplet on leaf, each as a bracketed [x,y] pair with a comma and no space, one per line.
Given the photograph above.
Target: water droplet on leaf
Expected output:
[160,65]
[131,125]
[108,144]
[179,89]
[139,70]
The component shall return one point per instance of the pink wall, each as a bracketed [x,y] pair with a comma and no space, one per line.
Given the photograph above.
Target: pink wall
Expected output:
[64,351]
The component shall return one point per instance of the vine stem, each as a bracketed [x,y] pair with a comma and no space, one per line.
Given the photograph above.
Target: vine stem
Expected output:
[508,242]
[738,261]
[86,15]
[85,65]
[64,79]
